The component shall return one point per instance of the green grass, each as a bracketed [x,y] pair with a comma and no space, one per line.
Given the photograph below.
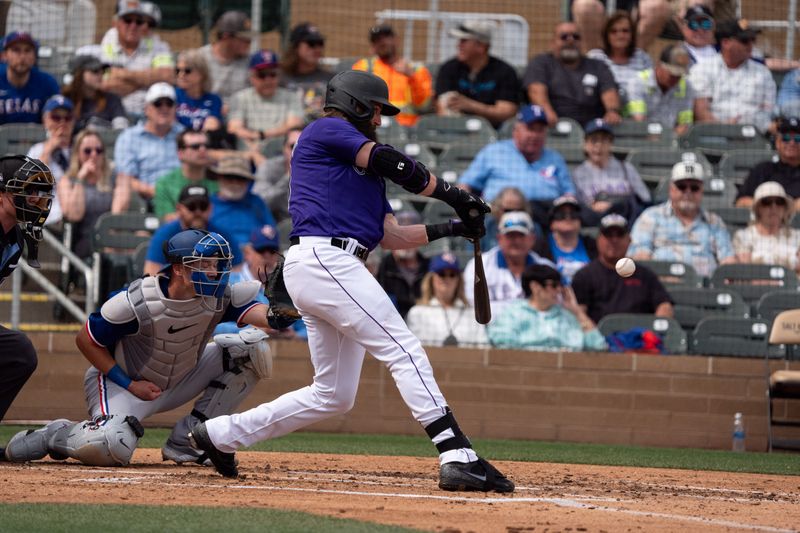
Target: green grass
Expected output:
[54,518]
[513,450]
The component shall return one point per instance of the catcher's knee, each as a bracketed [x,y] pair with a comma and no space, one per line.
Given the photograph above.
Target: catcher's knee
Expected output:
[105,441]
[248,349]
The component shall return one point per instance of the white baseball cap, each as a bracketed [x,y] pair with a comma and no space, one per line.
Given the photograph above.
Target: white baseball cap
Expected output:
[516,221]
[687,170]
[160,90]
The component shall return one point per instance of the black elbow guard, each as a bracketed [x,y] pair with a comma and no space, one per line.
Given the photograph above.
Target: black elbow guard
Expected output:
[389,163]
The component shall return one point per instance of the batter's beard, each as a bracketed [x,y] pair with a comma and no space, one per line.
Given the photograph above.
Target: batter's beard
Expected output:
[366,127]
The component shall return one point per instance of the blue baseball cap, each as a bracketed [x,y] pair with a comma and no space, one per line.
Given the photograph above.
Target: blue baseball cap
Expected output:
[20,37]
[57,101]
[265,238]
[532,113]
[596,125]
[263,59]
[446,261]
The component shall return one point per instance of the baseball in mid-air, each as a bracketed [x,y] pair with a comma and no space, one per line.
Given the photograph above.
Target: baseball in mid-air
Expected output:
[626,267]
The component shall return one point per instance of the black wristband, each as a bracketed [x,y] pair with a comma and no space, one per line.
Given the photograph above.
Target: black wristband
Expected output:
[438,231]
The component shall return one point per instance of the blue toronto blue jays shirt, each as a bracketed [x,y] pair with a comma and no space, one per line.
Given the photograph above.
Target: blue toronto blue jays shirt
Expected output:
[329,196]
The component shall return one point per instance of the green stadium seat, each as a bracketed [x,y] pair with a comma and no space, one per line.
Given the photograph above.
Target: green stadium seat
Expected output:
[735,337]
[440,131]
[753,281]
[673,336]
[392,132]
[18,138]
[632,135]
[694,304]
[772,303]
[735,218]
[714,140]
[656,164]
[735,165]
[674,274]
[566,132]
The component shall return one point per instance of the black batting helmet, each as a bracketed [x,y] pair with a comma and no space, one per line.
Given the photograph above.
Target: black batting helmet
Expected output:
[353,92]
[30,182]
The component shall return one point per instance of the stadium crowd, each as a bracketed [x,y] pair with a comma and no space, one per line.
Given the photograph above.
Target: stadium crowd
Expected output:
[202,138]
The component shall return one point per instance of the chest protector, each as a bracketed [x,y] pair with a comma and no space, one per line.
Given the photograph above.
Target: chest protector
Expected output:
[172,334]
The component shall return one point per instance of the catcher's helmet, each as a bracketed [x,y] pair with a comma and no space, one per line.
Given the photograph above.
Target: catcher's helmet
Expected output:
[30,182]
[353,92]
[207,255]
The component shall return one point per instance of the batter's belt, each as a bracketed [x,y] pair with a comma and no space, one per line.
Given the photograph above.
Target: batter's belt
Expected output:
[350,246]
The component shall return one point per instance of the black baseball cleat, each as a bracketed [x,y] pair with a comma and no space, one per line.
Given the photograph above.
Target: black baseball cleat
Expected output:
[478,475]
[225,463]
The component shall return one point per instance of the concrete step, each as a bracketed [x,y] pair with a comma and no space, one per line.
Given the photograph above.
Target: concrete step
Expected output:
[37,308]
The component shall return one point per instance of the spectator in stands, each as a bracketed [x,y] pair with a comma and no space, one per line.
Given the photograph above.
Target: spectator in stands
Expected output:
[770,239]
[443,297]
[194,158]
[550,318]
[88,189]
[664,94]
[604,183]
[54,152]
[507,200]
[148,150]
[264,110]
[564,245]
[236,208]
[697,27]
[567,84]
[789,95]
[620,53]
[601,291]
[731,87]
[23,88]
[474,82]
[138,58]
[504,263]
[194,212]
[652,15]
[61,24]
[197,107]
[410,86]
[301,68]
[786,170]
[228,56]
[679,229]
[94,107]
[400,272]
[273,174]
[522,162]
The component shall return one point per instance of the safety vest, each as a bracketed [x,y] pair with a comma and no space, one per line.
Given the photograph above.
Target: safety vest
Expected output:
[409,93]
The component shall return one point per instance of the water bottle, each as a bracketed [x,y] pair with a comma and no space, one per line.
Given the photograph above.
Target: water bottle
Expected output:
[738,433]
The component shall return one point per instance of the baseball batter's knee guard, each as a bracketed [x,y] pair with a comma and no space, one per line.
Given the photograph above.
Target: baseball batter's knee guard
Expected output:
[105,441]
[450,436]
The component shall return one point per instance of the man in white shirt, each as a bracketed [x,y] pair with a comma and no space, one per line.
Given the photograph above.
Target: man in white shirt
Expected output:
[732,88]
[697,27]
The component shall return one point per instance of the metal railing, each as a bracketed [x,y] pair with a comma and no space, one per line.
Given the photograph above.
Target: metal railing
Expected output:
[49,287]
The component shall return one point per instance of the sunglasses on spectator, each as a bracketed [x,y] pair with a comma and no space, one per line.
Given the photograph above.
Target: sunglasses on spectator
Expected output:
[200,205]
[551,284]
[196,146]
[566,214]
[769,202]
[788,137]
[314,43]
[683,187]
[701,24]
[568,36]
[187,71]
[163,102]
[264,74]
[139,21]
[60,118]
[448,274]
[90,150]
[614,233]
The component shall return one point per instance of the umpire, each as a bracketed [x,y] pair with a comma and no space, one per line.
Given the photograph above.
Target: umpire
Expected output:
[26,194]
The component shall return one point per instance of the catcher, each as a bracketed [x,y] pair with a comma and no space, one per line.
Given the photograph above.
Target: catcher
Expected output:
[149,351]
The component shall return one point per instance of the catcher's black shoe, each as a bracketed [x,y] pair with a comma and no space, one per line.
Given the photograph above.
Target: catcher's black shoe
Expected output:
[225,463]
[478,475]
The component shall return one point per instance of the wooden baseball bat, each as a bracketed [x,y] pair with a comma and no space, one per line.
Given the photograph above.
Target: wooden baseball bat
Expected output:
[483,311]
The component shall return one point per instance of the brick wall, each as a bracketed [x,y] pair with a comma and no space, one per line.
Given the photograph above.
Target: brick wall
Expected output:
[676,401]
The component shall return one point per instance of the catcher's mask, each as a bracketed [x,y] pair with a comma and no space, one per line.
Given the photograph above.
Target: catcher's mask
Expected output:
[353,92]
[30,184]
[207,255]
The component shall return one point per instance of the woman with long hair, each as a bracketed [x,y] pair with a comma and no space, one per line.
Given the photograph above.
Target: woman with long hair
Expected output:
[93,106]
[88,190]
[442,316]
[620,53]
[301,69]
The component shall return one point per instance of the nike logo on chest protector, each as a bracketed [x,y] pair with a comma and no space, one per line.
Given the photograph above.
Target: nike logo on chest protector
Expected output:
[173,329]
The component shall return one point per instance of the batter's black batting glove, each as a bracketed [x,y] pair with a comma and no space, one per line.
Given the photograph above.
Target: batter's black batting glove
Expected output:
[454,228]
[469,207]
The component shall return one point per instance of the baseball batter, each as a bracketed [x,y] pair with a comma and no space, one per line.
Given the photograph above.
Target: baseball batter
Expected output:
[339,213]
[148,346]
[26,195]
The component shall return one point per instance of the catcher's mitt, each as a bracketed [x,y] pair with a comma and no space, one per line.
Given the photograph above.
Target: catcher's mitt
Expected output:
[282,313]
